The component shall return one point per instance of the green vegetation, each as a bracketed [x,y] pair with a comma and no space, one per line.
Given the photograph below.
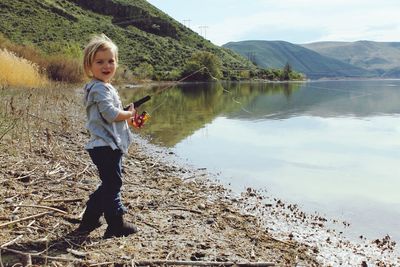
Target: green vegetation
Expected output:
[144,71]
[203,66]
[276,54]
[152,44]
[143,33]
[381,58]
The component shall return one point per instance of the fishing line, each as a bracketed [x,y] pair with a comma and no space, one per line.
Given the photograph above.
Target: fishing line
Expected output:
[240,103]
[236,101]
[310,86]
[343,91]
[193,73]
[177,82]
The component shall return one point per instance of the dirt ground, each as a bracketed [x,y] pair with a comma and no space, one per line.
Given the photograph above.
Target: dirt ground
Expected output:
[46,177]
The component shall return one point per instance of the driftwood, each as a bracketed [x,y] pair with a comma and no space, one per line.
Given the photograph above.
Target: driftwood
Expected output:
[147,262]
[36,255]
[11,242]
[42,207]
[202,263]
[26,218]
[67,200]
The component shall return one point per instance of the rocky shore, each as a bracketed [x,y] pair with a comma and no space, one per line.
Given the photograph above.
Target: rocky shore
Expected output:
[182,214]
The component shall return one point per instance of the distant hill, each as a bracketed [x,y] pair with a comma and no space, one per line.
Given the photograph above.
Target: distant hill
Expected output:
[142,32]
[383,58]
[275,54]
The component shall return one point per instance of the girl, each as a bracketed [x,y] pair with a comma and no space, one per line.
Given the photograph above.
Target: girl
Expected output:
[110,138]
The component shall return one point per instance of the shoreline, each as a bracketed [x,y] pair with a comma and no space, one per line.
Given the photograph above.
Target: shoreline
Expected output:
[287,222]
[151,83]
[182,213]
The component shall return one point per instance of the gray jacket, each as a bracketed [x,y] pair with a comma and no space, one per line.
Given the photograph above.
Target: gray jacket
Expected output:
[102,107]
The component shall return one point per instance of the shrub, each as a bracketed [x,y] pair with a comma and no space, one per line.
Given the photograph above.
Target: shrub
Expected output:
[24,51]
[19,72]
[144,71]
[64,69]
[172,75]
[123,75]
[203,66]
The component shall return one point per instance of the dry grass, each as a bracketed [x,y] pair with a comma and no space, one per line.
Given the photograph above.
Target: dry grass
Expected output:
[19,72]
[57,67]
[25,51]
[64,69]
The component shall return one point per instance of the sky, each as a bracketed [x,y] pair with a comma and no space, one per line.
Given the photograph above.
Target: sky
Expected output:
[295,21]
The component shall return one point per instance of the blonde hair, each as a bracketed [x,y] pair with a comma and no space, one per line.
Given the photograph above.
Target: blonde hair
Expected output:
[97,43]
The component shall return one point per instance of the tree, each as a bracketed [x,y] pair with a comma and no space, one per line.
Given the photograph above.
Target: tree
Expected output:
[144,70]
[287,70]
[203,66]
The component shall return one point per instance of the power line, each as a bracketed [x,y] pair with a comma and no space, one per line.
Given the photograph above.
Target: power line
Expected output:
[186,22]
[203,27]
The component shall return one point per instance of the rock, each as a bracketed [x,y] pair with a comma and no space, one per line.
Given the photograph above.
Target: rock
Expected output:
[210,221]
[197,255]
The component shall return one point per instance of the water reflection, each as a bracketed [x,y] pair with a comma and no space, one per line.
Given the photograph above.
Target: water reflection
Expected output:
[330,146]
[178,112]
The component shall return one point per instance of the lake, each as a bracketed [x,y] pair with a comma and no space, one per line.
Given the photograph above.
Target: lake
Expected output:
[332,147]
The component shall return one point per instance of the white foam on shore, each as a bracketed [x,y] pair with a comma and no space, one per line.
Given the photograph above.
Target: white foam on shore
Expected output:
[332,248]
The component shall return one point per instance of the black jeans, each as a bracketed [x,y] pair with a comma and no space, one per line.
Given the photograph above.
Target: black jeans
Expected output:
[107,197]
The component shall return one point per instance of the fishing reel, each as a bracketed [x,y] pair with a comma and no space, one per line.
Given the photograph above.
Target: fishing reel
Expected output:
[139,120]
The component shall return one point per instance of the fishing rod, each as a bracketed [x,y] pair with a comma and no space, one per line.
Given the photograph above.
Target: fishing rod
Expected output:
[138,120]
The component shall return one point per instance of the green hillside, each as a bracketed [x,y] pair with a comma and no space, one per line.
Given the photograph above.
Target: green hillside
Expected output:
[275,54]
[142,32]
[383,58]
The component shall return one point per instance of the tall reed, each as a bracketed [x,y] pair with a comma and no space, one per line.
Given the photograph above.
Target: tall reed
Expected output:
[19,72]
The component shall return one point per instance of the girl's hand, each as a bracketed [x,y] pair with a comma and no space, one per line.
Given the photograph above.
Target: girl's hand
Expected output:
[126,114]
[130,121]
[133,110]
[131,107]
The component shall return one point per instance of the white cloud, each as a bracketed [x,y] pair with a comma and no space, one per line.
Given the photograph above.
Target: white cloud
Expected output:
[296,21]
[340,20]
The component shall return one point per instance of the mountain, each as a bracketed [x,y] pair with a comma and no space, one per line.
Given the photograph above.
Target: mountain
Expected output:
[275,54]
[383,58]
[142,32]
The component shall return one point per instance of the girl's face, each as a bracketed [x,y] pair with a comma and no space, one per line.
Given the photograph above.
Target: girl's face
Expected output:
[104,65]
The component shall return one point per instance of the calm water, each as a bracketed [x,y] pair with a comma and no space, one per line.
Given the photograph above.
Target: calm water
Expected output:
[331,147]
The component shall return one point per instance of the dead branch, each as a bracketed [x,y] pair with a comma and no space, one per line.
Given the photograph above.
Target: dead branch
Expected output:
[64,200]
[26,218]
[12,241]
[203,263]
[42,207]
[82,172]
[183,209]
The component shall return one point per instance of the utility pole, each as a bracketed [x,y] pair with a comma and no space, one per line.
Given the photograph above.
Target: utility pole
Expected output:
[205,31]
[186,22]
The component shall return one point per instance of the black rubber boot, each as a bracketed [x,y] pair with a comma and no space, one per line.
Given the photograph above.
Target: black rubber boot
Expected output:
[117,227]
[90,221]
